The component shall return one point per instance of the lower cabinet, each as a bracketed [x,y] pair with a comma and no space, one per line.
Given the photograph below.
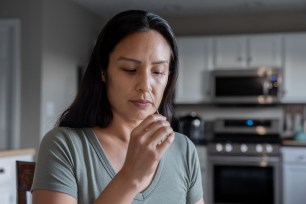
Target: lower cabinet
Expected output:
[6,196]
[8,176]
[294,175]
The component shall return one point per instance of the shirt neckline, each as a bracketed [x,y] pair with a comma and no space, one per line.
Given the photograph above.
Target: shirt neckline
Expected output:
[109,168]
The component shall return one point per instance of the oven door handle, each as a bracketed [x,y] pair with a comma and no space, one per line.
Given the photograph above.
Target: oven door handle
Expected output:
[248,159]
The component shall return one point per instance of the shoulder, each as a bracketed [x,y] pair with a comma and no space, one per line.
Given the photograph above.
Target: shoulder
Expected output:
[63,136]
[183,140]
[182,144]
[62,143]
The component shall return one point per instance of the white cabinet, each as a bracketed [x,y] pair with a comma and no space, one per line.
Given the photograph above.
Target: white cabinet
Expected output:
[248,51]
[294,175]
[6,196]
[8,174]
[230,52]
[295,68]
[195,63]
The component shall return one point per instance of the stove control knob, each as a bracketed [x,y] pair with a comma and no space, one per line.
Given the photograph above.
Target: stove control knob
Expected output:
[269,148]
[244,148]
[219,147]
[228,147]
[259,148]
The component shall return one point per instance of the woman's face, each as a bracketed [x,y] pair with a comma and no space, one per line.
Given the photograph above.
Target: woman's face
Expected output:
[139,64]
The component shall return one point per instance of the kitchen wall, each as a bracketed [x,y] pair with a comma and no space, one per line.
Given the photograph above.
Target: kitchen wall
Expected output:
[211,112]
[227,24]
[56,37]
[68,34]
[30,15]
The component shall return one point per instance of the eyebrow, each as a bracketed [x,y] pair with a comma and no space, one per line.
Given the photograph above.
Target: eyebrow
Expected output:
[139,62]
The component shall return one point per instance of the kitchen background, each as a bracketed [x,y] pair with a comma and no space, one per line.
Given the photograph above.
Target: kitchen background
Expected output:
[45,43]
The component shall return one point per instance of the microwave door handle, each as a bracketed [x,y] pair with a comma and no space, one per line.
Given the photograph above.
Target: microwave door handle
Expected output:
[265,86]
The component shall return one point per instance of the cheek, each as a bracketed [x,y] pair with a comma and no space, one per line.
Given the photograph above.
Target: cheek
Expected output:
[114,83]
[162,88]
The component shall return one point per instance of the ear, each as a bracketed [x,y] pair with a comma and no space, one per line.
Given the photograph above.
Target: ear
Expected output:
[103,76]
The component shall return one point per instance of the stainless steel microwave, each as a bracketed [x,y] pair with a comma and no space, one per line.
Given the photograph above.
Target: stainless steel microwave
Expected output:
[261,85]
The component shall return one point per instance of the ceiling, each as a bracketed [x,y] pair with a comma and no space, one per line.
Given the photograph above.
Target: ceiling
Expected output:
[173,8]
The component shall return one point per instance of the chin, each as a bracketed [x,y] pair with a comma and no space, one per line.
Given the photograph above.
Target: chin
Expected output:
[143,115]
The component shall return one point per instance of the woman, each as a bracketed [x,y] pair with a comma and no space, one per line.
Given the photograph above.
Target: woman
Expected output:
[114,144]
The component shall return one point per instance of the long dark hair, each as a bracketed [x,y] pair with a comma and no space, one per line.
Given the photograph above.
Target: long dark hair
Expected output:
[91,106]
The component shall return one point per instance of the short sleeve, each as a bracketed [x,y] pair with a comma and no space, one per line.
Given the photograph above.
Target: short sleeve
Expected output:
[54,165]
[195,189]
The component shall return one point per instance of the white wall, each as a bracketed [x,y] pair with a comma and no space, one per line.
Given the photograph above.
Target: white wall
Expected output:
[68,37]
[30,14]
[210,112]
[56,36]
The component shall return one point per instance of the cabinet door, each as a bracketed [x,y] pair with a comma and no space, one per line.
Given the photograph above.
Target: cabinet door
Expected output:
[193,81]
[230,52]
[294,175]
[294,184]
[265,50]
[295,68]
[8,177]
[6,195]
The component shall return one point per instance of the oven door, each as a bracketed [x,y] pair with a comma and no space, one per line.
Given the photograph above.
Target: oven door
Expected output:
[243,180]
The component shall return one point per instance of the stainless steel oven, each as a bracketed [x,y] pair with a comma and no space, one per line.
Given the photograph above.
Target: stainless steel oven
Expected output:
[244,162]
[261,86]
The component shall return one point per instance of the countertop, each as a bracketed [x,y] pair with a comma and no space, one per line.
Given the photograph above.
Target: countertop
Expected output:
[8,153]
[292,142]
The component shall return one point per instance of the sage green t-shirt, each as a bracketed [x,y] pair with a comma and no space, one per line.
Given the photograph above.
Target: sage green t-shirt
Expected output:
[72,161]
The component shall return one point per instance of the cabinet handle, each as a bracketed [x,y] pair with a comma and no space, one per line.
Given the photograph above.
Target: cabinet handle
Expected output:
[2,170]
[239,59]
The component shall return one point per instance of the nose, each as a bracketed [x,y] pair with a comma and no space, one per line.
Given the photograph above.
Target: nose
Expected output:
[144,84]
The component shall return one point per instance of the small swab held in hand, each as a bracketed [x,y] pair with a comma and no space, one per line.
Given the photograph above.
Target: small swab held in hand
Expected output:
[153,102]
[157,113]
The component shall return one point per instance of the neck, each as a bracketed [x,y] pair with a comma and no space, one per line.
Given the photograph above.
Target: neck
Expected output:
[119,129]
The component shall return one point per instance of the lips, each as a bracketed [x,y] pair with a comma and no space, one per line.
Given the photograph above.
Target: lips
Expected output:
[142,103]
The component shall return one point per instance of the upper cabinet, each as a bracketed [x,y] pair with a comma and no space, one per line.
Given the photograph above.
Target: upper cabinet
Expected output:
[265,50]
[195,63]
[295,68]
[200,55]
[248,51]
[230,52]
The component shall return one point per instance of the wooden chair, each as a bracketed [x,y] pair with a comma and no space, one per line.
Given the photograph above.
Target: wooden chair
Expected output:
[25,173]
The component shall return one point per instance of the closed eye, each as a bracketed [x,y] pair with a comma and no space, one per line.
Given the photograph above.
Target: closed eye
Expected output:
[159,74]
[130,71]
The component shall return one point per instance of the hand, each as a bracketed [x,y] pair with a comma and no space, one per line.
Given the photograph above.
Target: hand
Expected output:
[148,142]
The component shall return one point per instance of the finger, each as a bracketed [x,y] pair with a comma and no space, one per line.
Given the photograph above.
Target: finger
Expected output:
[160,135]
[154,126]
[144,125]
[163,146]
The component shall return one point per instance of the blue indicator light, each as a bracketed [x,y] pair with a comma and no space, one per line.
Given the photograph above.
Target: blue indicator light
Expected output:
[249,122]
[273,78]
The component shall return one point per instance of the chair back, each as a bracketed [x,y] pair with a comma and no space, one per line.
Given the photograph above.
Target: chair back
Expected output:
[25,173]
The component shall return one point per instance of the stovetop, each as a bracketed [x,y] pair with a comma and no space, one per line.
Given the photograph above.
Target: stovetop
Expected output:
[245,137]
